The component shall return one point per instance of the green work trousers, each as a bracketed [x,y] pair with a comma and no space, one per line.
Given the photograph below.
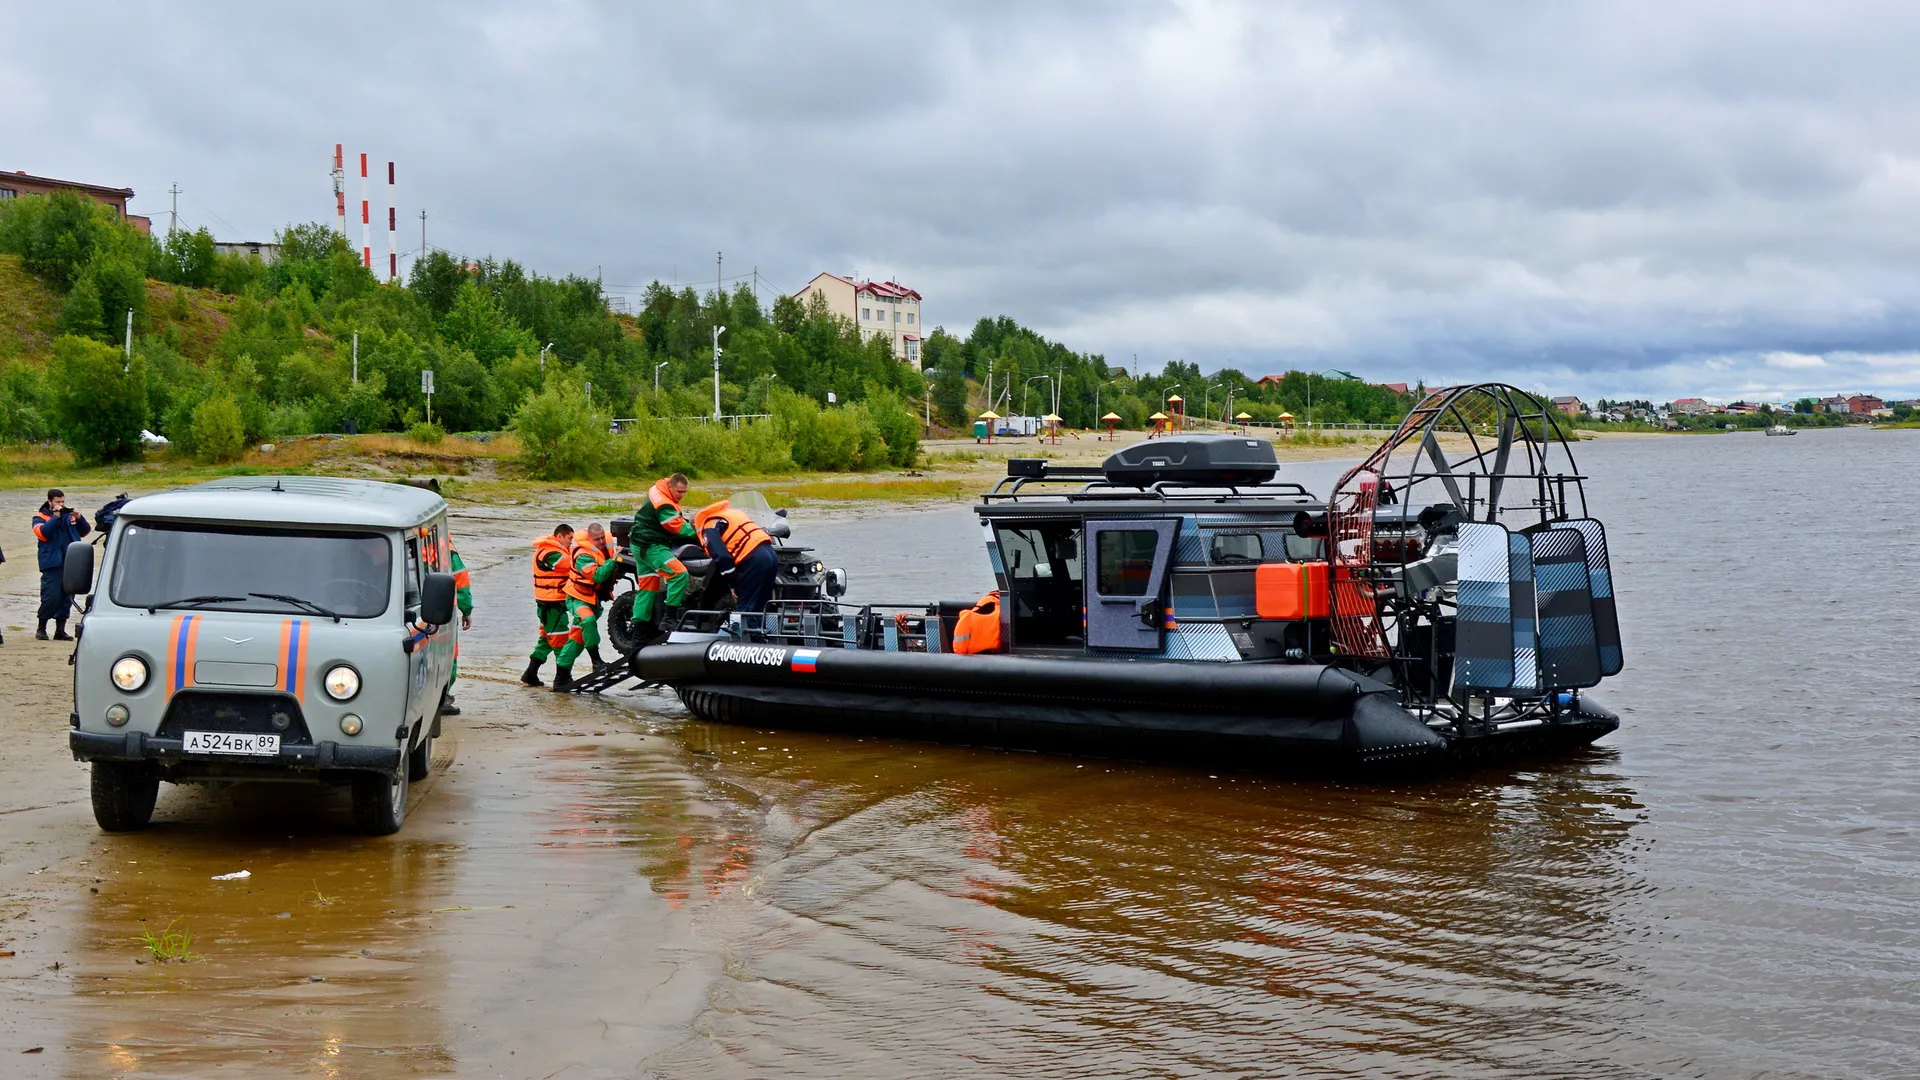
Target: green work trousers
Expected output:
[584,635]
[553,630]
[658,559]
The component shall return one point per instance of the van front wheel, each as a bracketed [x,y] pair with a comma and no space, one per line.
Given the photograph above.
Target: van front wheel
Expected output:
[380,801]
[124,794]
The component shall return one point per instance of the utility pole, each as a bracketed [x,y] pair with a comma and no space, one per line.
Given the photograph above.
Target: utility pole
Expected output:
[356,358]
[173,223]
[423,238]
[717,331]
[129,363]
[718,258]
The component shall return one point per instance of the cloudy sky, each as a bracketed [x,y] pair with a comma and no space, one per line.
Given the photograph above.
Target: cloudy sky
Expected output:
[1610,198]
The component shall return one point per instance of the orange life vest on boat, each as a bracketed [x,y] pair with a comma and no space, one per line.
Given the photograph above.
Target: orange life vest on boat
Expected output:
[742,533]
[549,585]
[978,628]
[580,583]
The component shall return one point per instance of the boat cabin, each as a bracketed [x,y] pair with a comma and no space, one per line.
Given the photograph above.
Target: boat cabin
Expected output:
[1179,549]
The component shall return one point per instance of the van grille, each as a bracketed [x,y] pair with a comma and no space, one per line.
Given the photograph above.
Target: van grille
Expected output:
[247,713]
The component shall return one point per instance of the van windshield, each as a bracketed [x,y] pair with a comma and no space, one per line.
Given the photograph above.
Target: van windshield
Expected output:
[219,568]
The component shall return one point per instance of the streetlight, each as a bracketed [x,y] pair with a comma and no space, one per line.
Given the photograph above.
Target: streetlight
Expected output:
[1206,400]
[656,374]
[717,331]
[543,359]
[930,373]
[1026,391]
[1348,375]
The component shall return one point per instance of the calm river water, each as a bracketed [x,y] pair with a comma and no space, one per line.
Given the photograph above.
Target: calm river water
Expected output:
[1728,886]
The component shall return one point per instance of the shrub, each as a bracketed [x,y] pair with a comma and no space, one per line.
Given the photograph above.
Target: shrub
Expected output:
[99,399]
[898,428]
[430,434]
[561,436]
[697,448]
[219,430]
[289,419]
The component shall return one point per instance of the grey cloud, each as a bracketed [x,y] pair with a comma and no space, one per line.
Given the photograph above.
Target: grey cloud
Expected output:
[1586,193]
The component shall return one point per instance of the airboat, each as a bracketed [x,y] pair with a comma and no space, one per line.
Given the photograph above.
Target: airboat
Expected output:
[1449,601]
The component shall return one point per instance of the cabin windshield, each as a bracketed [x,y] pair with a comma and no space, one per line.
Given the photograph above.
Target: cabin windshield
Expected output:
[1045,579]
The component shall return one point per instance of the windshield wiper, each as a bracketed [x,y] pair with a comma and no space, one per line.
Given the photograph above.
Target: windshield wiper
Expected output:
[194,601]
[299,603]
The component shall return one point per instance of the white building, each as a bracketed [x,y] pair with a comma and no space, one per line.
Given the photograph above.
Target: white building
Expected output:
[876,307]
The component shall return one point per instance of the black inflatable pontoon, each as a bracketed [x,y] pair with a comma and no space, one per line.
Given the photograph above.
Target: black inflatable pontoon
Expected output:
[1451,602]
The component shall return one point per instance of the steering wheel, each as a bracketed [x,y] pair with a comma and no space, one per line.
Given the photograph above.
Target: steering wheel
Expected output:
[362,595]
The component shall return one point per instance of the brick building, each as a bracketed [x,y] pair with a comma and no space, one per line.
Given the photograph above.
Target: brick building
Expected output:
[15,184]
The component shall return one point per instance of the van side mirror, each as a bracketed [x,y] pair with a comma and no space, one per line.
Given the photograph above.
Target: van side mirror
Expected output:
[76,573]
[436,600]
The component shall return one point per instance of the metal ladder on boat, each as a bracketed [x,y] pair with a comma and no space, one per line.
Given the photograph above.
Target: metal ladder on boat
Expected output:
[606,677]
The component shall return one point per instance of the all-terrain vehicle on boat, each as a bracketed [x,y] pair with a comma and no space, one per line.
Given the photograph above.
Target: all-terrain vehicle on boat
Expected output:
[1450,600]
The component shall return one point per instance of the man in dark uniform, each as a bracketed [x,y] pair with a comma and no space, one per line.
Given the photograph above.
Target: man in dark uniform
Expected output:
[56,526]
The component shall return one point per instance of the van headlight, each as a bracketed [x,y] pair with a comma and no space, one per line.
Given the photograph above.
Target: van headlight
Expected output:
[342,682]
[129,673]
[349,725]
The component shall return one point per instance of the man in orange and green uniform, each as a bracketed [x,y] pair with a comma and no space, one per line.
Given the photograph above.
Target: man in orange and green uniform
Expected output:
[550,572]
[463,598]
[591,566]
[660,526]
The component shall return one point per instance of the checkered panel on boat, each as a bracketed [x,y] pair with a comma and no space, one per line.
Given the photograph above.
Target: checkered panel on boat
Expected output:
[1569,651]
[1606,617]
[1494,650]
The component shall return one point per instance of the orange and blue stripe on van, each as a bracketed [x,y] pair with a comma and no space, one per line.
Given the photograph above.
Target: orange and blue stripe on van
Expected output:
[293,658]
[184,638]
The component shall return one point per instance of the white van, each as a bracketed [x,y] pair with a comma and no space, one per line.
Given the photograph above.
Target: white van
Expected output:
[265,628]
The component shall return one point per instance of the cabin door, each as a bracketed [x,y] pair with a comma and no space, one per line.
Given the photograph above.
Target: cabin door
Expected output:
[1127,583]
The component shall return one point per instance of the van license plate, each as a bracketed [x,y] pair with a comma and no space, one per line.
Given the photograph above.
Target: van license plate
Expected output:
[231,742]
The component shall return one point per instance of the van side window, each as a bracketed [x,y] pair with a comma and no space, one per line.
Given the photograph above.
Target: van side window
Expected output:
[1231,548]
[413,576]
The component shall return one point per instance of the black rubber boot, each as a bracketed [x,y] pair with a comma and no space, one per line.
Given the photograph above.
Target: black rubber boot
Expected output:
[532,675]
[40,632]
[594,655]
[60,631]
[448,708]
[670,619]
[563,680]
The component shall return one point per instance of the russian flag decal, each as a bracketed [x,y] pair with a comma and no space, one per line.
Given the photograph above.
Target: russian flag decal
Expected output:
[805,659]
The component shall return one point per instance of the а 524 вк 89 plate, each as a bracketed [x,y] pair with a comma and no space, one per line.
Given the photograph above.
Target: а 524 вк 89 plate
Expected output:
[227,742]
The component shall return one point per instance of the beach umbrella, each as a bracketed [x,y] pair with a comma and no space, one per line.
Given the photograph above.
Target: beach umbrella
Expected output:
[1243,418]
[989,416]
[1286,421]
[1053,426]
[1110,419]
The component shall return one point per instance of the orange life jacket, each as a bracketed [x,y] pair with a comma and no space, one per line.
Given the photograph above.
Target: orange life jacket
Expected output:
[549,585]
[978,628]
[580,583]
[742,533]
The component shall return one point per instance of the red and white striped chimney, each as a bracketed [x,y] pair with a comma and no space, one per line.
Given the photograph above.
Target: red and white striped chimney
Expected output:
[366,219]
[393,250]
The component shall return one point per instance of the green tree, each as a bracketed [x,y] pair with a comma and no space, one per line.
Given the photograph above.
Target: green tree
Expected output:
[99,399]
[561,436]
[82,314]
[219,429]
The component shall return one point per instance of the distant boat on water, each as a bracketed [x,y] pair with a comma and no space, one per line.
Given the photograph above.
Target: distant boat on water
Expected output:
[1782,429]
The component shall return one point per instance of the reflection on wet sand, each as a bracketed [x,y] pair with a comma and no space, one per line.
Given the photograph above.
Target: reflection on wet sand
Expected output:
[320,962]
[911,910]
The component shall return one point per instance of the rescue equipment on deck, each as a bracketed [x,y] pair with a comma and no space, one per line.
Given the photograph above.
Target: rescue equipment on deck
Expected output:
[978,628]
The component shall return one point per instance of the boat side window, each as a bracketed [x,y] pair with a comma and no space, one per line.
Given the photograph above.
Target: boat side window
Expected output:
[1305,548]
[1124,562]
[1229,549]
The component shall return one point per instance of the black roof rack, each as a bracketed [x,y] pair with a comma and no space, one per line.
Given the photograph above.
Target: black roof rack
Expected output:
[1096,484]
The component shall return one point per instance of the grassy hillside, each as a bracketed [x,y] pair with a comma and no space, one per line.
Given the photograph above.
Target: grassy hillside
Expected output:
[192,318]
[27,312]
